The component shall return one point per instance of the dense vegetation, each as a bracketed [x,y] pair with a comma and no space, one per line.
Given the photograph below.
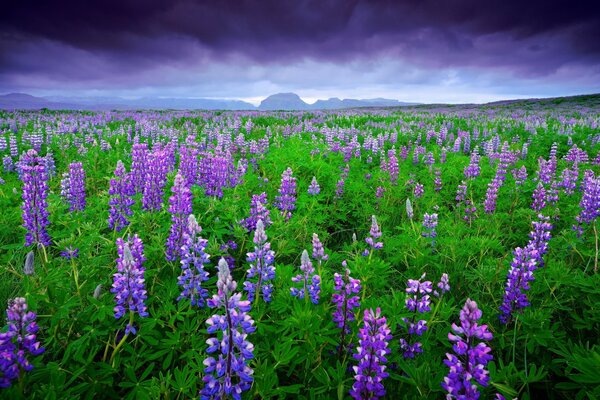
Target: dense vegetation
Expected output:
[524,168]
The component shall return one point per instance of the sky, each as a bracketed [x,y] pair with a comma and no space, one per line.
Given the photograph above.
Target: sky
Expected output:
[417,50]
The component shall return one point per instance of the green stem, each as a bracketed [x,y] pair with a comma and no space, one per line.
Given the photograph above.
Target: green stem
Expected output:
[122,342]
[76,277]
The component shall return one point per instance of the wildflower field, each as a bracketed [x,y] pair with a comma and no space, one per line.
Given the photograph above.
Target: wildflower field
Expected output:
[399,253]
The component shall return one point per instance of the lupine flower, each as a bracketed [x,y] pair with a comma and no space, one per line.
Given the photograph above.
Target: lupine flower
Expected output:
[121,191]
[286,200]
[461,193]
[520,175]
[392,168]
[443,285]
[473,169]
[517,282]
[347,302]
[188,163]
[418,191]
[590,201]
[467,364]
[409,209]
[314,187]
[18,343]
[417,301]
[180,207]
[35,208]
[539,197]
[229,375]
[438,179]
[374,234]
[258,211]
[28,268]
[430,222]
[70,253]
[193,259]
[128,285]
[491,195]
[311,282]
[73,187]
[318,251]
[371,355]
[540,236]
[139,166]
[155,180]
[261,266]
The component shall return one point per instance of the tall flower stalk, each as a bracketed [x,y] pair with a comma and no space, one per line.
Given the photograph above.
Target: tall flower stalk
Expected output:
[371,355]
[35,207]
[121,191]
[180,207]
[286,200]
[18,343]
[261,267]
[347,302]
[229,375]
[311,282]
[467,363]
[193,260]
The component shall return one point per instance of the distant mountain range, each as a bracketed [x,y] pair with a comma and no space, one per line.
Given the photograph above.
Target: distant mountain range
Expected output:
[280,101]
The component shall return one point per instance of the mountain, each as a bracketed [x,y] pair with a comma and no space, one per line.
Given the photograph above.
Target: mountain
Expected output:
[283,101]
[279,101]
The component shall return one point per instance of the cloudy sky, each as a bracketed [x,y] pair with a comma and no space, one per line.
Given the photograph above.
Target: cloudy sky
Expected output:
[416,50]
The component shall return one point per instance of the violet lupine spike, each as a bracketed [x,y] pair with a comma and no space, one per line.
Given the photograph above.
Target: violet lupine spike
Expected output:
[418,191]
[35,207]
[418,301]
[539,197]
[518,281]
[318,251]
[76,187]
[314,188]
[371,354]
[443,285]
[121,191]
[180,207]
[19,343]
[430,222]
[128,285]
[261,266]
[229,375]
[139,166]
[491,195]
[590,201]
[155,180]
[258,211]
[193,260]
[467,363]
[374,234]
[286,200]
[347,302]
[311,282]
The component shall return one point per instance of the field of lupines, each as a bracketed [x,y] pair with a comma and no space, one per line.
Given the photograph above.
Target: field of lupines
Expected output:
[417,253]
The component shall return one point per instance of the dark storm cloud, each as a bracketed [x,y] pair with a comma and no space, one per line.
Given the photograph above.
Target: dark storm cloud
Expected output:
[106,41]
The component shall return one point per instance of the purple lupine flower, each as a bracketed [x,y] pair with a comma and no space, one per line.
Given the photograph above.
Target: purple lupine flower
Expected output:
[469,359]
[491,195]
[443,285]
[180,207]
[314,187]
[229,375]
[70,253]
[258,211]
[18,343]
[155,180]
[346,302]
[188,163]
[128,285]
[418,191]
[311,282]
[261,266]
[193,259]
[35,207]
[73,187]
[473,169]
[339,188]
[590,201]
[438,179]
[371,355]
[430,222]
[7,162]
[318,251]
[517,282]
[139,166]
[122,191]
[418,301]
[392,168]
[461,193]
[374,234]
[539,237]
[539,197]
[286,200]
[520,175]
